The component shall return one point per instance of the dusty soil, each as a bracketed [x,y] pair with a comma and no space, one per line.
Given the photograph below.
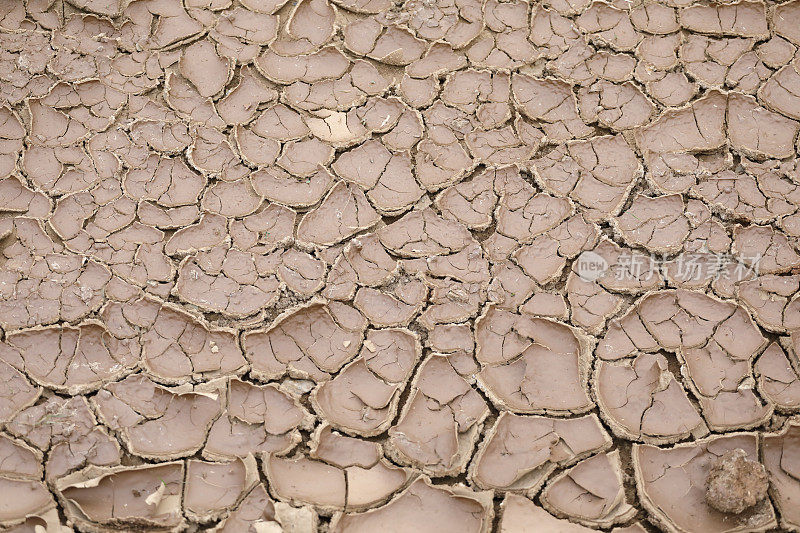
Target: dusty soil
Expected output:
[384,265]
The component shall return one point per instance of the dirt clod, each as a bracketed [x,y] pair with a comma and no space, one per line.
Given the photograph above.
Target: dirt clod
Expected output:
[736,483]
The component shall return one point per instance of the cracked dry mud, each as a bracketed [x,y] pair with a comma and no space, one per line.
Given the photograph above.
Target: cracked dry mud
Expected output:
[321,266]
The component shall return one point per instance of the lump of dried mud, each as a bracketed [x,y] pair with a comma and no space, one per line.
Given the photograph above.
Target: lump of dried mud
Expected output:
[735,482]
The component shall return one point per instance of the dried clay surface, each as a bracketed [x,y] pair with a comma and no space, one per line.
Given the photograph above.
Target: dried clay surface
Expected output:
[403,266]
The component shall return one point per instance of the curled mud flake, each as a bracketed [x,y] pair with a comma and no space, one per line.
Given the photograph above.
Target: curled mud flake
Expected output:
[158,422]
[279,123]
[672,89]
[439,425]
[546,304]
[509,49]
[392,45]
[188,102]
[747,73]
[350,474]
[745,19]
[55,287]
[257,511]
[229,281]
[277,185]
[760,194]
[352,89]
[168,182]
[11,135]
[264,6]
[254,149]
[419,93]
[19,392]
[303,158]
[612,67]
[301,272]
[782,17]
[532,365]
[520,452]
[519,514]
[456,22]
[327,63]
[452,301]
[17,459]
[470,202]
[60,170]
[469,265]
[776,52]
[618,107]
[176,346]
[699,126]
[780,92]
[231,198]
[209,231]
[735,482]
[439,165]
[405,134]
[449,338]
[241,104]
[591,305]
[258,420]
[545,257]
[363,398]
[554,33]
[201,65]
[125,496]
[509,286]
[626,270]
[212,153]
[659,53]
[310,25]
[363,261]
[596,173]
[590,492]
[168,137]
[240,33]
[21,201]
[659,224]
[364,164]
[778,378]
[659,19]
[773,301]
[387,309]
[211,489]
[425,507]
[609,25]
[779,452]
[344,212]
[32,499]
[69,432]
[72,360]
[671,484]
[552,102]
[499,147]
[423,233]
[642,400]
[479,92]
[438,60]
[51,127]
[311,341]
[765,249]
[522,213]
[758,131]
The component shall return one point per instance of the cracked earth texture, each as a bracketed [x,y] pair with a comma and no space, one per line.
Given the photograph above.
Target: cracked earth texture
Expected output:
[422,266]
